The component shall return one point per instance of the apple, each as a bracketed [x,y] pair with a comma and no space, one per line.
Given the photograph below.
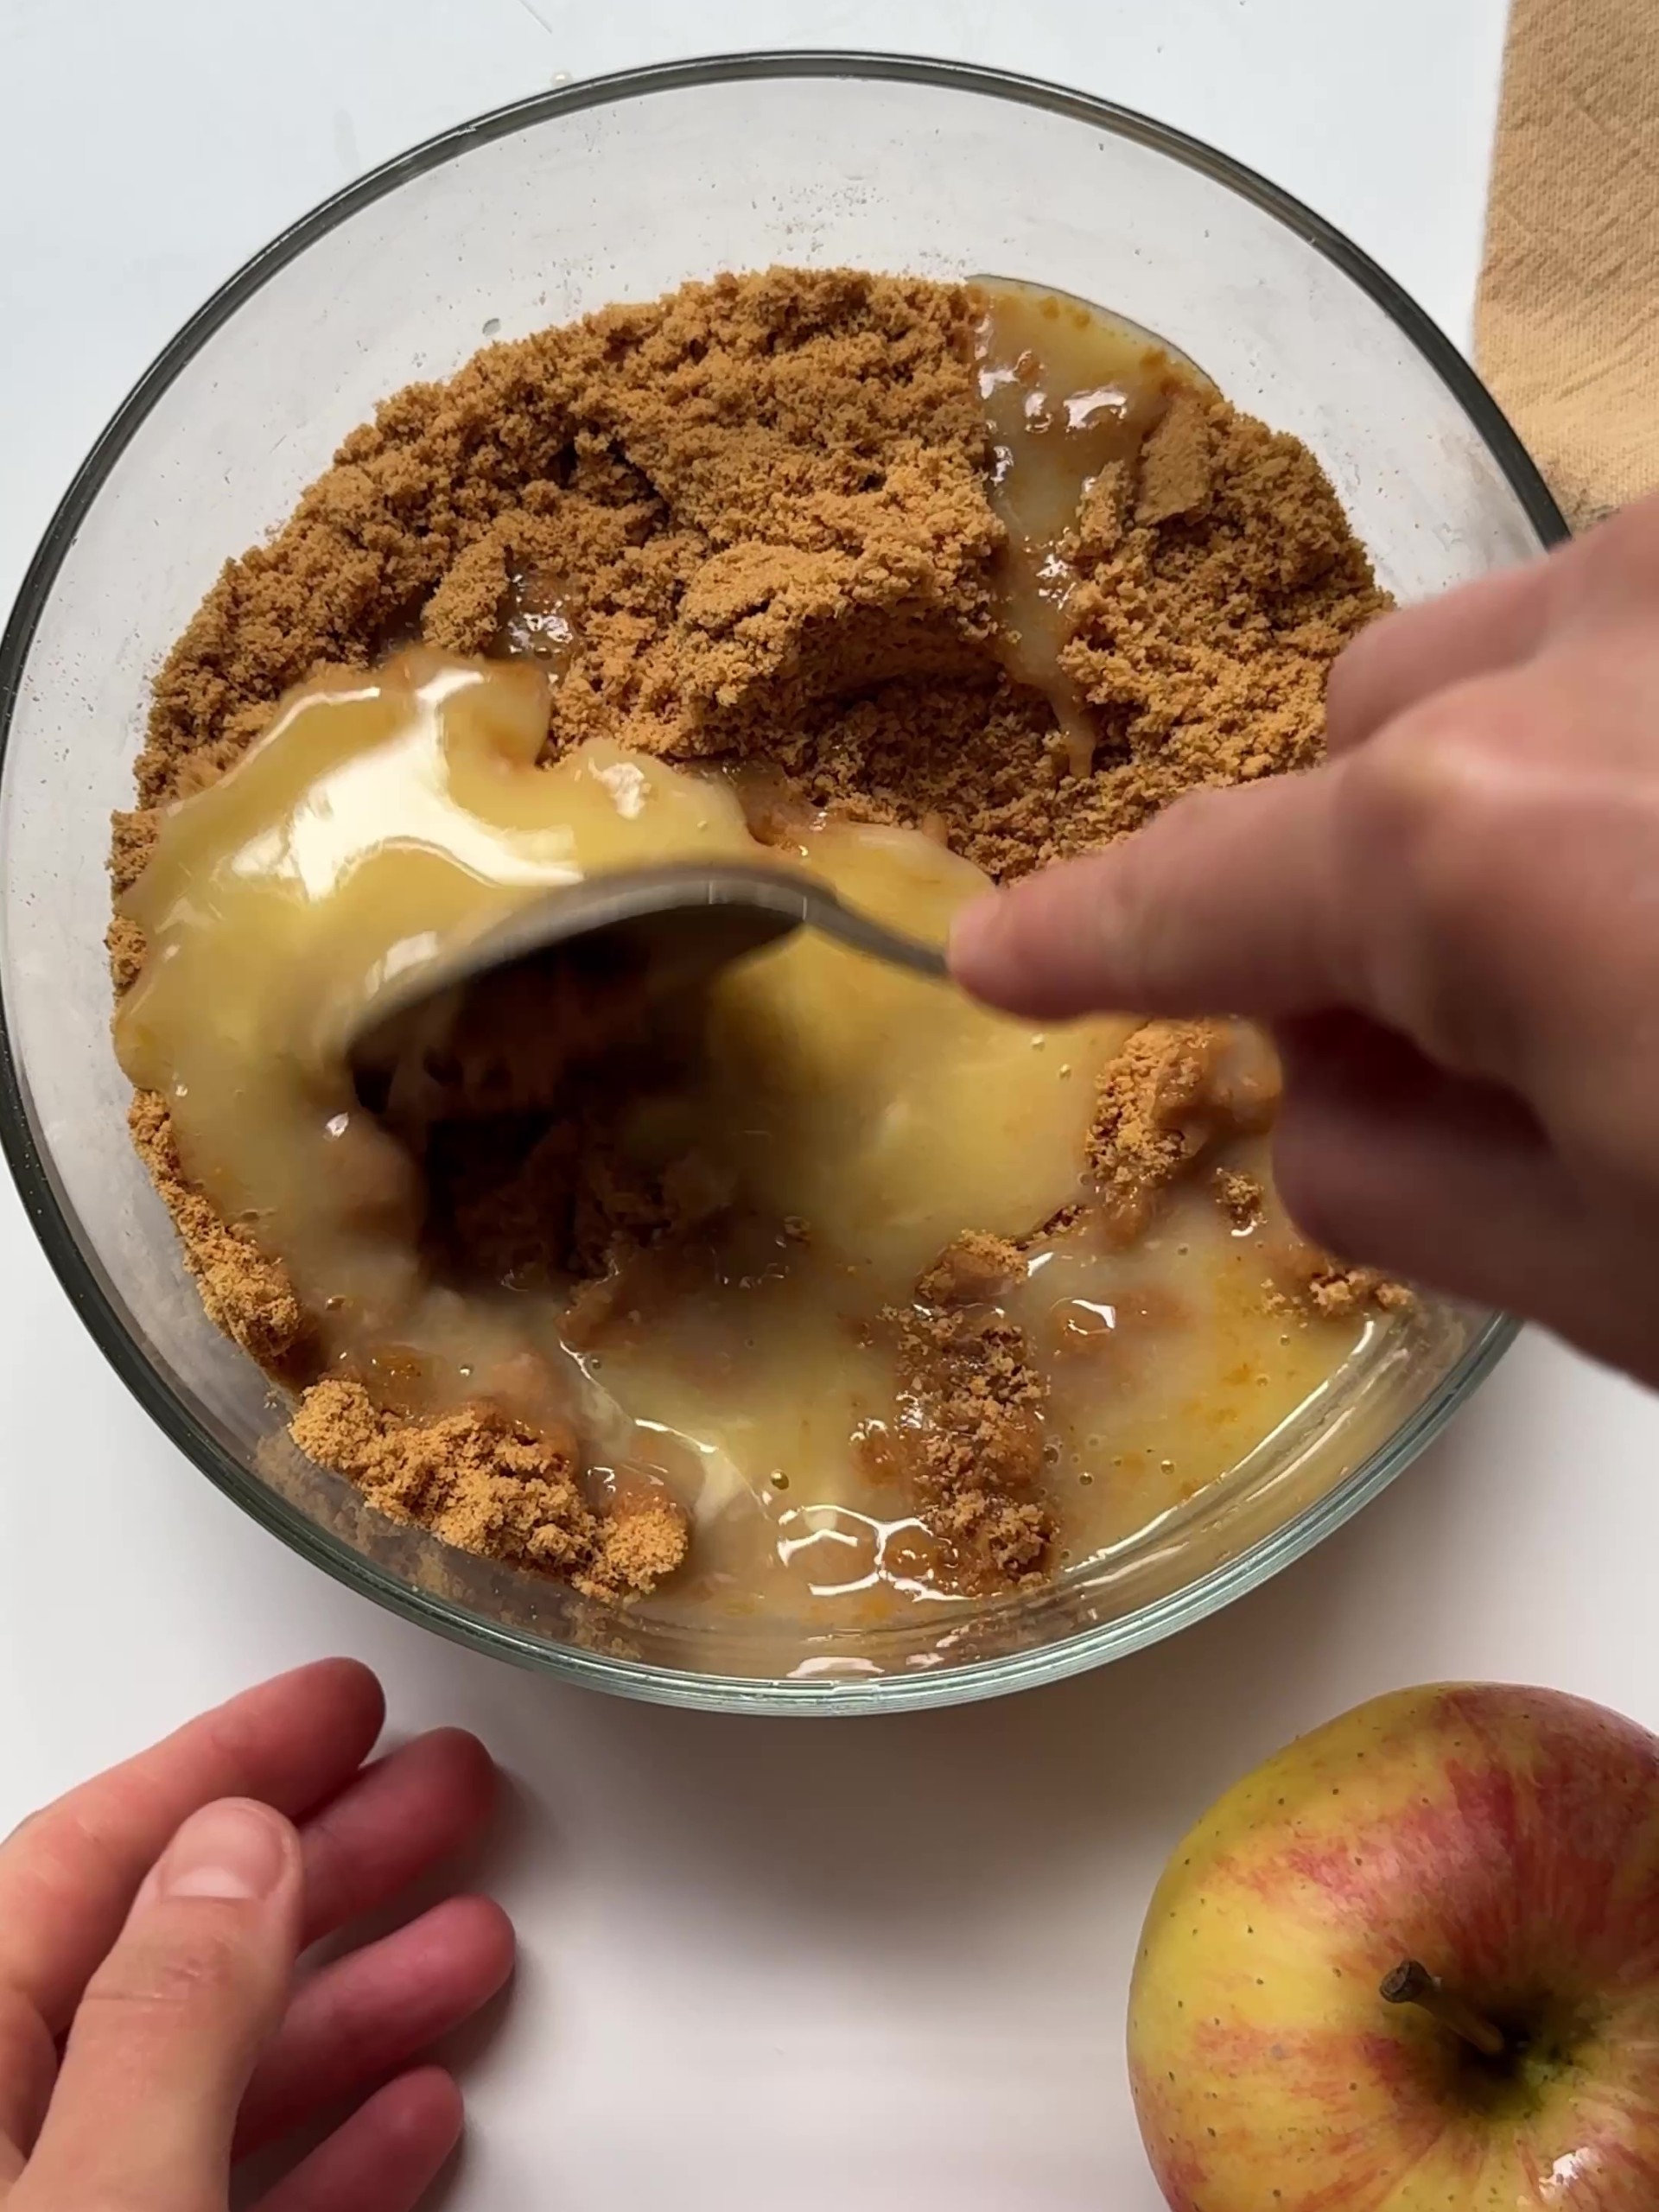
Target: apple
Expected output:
[1411,1965]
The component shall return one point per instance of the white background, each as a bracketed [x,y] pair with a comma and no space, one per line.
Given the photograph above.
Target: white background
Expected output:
[769,1964]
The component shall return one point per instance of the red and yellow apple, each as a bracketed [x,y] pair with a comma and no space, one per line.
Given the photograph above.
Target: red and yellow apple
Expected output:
[1490,1853]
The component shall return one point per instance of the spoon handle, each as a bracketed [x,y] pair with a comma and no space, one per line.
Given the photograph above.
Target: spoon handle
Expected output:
[862,932]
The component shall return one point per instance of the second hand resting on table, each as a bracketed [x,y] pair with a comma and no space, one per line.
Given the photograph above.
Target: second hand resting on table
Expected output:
[150,1923]
[1452,928]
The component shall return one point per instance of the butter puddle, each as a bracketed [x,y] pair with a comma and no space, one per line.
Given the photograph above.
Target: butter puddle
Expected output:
[857,1118]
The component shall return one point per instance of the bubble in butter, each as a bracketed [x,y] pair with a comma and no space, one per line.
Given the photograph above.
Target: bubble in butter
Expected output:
[384,817]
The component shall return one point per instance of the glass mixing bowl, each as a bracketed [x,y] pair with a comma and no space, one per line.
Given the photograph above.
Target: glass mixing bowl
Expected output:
[617,189]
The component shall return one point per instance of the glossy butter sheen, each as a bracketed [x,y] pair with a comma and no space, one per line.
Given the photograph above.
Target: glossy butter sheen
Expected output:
[382,818]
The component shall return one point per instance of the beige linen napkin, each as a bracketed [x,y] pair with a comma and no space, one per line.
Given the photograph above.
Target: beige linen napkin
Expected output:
[1567,329]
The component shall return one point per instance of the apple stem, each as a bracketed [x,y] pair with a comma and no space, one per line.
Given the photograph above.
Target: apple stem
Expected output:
[1413,1984]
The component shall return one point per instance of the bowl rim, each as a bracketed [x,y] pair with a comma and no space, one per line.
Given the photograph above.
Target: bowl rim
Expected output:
[50,1215]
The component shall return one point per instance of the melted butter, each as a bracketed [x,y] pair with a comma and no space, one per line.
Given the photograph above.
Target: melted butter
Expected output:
[1067,390]
[886,1112]
[377,821]
[1166,1364]
[1167,1369]
[381,820]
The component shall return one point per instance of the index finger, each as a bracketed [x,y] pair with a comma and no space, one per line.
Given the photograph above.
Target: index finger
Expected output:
[1229,902]
[68,1876]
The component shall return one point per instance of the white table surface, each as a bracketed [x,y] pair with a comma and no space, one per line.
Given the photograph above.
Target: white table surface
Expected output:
[764,1964]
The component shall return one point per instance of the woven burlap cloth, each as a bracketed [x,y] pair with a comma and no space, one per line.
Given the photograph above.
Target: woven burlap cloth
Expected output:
[1566,330]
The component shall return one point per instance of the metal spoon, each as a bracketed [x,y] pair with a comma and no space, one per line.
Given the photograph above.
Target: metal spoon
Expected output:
[678,924]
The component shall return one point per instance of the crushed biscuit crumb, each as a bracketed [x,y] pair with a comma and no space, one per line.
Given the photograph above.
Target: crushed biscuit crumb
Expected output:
[1307,1280]
[486,1486]
[972,1270]
[1156,1114]
[973,1442]
[1241,1196]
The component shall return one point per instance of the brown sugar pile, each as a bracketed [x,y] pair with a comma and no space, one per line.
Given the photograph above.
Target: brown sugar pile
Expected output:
[973,1446]
[482,1483]
[762,505]
[749,523]
[1173,1092]
[1203,638]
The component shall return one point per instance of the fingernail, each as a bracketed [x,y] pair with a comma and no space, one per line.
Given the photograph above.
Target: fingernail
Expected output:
[236,1850]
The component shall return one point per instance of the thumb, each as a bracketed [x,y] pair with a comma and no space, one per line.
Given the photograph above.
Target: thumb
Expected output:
[172,2022]
[1230,902]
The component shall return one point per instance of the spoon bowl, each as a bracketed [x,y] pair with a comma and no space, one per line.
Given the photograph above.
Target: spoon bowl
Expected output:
[675,926]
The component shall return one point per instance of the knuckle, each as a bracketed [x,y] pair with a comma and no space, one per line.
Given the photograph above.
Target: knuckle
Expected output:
[1426,803]
[1126,924]
[1415,771]
[1148,934]
[1456,830]
[62,1821]
[29,1822]
[170,1978]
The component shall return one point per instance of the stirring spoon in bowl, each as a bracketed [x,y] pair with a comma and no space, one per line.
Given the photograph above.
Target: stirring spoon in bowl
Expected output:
[678,924]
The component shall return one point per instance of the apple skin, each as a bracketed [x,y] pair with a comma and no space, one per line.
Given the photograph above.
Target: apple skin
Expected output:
[1508,1839]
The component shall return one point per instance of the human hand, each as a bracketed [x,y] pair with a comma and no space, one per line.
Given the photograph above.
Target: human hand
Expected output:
[1453,928]
[152,1918]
